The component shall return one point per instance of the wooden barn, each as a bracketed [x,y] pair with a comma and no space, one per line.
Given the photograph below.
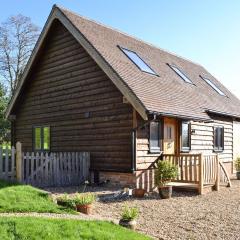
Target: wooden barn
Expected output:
[88,87]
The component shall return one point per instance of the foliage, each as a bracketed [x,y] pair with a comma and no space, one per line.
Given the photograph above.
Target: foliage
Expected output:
[18,36]
[84,198]
[129,214]
[4,123]
[165,172]
[237,164]
[15,197]
[56,229]
[65,200]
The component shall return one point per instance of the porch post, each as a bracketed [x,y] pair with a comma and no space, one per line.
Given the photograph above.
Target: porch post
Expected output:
[217,173]
[19,161]
[200,188]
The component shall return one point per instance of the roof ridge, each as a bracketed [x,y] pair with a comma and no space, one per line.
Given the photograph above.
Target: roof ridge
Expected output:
[128,35]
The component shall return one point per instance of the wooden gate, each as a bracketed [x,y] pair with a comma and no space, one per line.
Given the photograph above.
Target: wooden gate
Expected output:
[7,163]
[55,169]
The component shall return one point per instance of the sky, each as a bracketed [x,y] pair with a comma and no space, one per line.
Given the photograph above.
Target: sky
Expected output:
[206,32]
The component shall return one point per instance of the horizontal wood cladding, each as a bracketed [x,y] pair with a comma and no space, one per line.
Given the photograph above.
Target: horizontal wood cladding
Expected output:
[203,135]
[144,158]
[69,92]
[201,141]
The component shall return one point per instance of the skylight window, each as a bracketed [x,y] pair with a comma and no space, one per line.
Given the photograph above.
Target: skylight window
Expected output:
[180,73]
[209,82]
[133,56]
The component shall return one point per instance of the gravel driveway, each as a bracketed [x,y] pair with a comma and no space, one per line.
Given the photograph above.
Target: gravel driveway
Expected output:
[215,215]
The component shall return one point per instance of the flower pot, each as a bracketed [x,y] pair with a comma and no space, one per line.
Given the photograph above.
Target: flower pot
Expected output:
[165,192]
[238,175]
[131,224]
[138,193]
[86,209]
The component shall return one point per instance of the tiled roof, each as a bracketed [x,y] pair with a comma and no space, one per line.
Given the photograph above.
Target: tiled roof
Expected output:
[166,93]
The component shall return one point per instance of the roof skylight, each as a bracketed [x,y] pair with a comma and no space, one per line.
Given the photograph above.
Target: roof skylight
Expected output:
[213,86]
[133,56]
[180,73]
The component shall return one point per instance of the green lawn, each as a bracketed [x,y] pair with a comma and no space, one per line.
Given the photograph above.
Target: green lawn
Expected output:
[23,198]
[57,229]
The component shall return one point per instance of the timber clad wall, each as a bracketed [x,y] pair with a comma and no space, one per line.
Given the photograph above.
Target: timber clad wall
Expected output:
[202,139]
[69,92]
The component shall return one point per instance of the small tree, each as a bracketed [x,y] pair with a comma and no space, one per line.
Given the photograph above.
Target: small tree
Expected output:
[17,38]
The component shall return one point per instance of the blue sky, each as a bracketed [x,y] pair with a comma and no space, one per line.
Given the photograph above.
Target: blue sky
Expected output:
[207,32]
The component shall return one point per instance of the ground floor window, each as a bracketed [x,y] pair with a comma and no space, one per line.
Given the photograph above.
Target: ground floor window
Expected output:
[41,138]
[155,137]
[185,136]
[218,138]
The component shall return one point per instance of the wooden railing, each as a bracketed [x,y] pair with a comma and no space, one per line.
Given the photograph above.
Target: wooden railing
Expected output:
[199,169]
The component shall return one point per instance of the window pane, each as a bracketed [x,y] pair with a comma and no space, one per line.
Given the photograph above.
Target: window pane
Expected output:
[219,138]
[37,140]
[181,74]
[138,61]
[155,136]
[46,138]
[185,135]
[214,86]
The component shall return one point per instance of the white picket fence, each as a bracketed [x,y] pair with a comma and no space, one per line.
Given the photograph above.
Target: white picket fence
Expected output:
[44,169]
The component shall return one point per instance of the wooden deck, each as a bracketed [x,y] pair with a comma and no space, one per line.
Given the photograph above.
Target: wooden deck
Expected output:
[198,171]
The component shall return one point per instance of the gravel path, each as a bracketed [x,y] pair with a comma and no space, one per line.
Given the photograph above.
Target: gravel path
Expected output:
[215,215]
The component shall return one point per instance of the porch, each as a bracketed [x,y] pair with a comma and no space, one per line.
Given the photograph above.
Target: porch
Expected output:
[198,171]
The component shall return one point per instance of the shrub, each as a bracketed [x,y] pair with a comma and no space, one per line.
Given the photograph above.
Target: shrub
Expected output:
[66,201]
[84,198]
[129,214]
[237,164]
[165,172]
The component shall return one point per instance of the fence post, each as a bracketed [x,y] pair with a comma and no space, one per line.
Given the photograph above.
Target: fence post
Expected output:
[217,174]
[19,161]
[200,189]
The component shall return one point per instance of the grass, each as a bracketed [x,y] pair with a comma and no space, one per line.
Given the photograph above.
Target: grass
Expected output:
[56,229]
[24,198]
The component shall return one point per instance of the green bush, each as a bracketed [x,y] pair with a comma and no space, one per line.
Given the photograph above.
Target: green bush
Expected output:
[66,201]
[129,214]
[84,198]
[165,172]
[237,164]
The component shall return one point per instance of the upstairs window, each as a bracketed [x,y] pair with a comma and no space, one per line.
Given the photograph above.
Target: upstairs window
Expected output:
[133,56]
[155,136]
[41,138]
[209,82]
[218,138]
[185,136]
[180,73]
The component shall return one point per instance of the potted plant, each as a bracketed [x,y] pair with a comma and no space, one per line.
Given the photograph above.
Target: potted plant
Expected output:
[139,192]
[83,202]
[237,166]
[65,201]
[164,173]
[128,217]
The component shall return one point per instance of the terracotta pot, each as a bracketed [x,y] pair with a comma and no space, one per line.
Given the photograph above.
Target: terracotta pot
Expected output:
[86,209]
[128,224]
[139,193]
[165,192]
[238,175]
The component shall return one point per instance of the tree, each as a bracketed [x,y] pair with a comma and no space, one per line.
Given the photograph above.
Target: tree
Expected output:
[17,39]
[4,123]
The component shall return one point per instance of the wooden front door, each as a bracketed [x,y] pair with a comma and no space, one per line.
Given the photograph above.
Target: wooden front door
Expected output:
[170,136]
